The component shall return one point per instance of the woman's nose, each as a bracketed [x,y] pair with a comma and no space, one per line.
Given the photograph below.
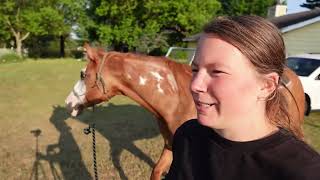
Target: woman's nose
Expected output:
[198,84]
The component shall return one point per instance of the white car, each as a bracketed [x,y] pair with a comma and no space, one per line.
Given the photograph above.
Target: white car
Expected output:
[307,67]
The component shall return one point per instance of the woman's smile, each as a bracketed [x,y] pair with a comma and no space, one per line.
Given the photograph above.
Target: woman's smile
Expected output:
[202,107]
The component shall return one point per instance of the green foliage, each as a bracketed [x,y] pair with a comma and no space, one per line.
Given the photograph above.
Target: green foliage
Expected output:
[21,18]
[181,55]
[311,4]
[48,46]
[147,25]
[8,56]
[4,34]
[246,7]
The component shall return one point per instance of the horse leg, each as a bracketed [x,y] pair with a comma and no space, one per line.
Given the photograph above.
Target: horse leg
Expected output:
[163,164]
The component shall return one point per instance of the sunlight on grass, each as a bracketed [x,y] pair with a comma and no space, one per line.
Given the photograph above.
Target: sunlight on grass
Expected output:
[32,95]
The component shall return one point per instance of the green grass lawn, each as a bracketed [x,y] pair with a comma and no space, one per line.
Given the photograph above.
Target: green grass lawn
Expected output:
[312,130]
[32,95]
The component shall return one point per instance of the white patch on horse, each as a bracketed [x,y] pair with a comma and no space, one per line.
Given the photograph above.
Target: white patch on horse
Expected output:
[157,76]
[172,82]
[80,88]
[142,80]
[159,88]
[76,97]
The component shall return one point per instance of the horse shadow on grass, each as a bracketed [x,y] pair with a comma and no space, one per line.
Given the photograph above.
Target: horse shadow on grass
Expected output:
[121,125]
[65,154]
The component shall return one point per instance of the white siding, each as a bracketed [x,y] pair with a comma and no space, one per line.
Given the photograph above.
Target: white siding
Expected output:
[303,40]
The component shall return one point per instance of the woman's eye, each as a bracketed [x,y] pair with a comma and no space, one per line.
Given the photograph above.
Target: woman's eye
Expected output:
[194,70]
[216,72]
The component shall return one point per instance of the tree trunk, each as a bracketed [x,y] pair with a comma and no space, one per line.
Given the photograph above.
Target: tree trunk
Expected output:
[18,44]
[19,48]
[62,53]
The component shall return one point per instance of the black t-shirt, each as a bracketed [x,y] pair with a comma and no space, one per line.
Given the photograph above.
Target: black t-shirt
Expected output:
[199,153]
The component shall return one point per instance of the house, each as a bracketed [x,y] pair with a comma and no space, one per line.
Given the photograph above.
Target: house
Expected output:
[301,32]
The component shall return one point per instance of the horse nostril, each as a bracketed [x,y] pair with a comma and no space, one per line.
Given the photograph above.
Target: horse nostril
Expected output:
[69,107]
[82,75]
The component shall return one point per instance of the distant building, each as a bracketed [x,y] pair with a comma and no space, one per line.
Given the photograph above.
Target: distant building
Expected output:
[277,10]
[301,32]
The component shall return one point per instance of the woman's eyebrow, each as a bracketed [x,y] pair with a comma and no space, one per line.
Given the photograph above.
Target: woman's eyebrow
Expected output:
[217,65]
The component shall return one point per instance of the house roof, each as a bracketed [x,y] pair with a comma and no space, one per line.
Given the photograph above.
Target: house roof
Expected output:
[284,23]
[296,18]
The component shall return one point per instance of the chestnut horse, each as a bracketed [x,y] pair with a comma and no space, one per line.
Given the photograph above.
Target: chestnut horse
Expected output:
[158,84]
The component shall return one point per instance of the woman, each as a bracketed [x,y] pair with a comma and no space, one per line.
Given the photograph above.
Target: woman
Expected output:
[243,127]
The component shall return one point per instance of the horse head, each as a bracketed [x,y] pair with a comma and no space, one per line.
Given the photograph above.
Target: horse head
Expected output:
[94,85]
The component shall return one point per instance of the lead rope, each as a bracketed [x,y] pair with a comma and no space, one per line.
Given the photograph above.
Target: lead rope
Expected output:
[99,76]
[87,131]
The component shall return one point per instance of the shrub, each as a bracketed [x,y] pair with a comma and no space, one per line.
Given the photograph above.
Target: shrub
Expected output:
[77,54]
[8,56]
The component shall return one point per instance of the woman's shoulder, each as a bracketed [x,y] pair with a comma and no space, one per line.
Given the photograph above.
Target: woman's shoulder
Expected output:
[306,157]
[191,128]
[300,148]
[294,157]
[305,165]
[192,123]
[288,146]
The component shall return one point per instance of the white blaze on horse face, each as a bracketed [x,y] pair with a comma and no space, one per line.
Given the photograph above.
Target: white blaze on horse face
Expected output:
[76,97]
[80,89]
[142,80]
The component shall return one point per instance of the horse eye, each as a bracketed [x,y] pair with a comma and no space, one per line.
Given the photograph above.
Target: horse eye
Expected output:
[82,75]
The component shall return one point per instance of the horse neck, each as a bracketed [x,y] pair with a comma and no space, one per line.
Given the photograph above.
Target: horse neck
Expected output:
[134,80]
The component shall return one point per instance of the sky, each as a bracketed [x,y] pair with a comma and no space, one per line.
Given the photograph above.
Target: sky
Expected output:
[293,6]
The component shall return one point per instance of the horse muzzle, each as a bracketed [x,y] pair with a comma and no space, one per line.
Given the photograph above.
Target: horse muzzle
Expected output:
[74,111]
[74,104]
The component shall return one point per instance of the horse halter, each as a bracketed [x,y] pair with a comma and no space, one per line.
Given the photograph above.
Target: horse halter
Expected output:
[99,77]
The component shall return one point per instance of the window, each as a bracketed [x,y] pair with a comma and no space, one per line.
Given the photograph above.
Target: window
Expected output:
[302,66]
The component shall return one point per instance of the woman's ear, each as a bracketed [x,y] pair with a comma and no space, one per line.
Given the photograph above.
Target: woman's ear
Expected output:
[269,85]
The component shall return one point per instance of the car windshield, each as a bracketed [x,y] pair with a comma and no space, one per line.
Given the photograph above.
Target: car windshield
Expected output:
[302,66]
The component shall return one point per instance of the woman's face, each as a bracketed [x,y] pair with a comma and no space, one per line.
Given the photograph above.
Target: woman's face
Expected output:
[225,86]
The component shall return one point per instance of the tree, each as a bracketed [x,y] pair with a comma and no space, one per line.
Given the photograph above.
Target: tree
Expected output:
[38,17]
[146,25]
[311,4]
[23,17]
[246,7]
[73,12]
[4,34]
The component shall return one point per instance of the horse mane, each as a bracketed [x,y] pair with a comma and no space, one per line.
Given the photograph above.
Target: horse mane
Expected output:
[143,57]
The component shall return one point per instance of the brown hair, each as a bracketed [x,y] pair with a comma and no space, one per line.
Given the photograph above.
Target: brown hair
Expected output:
[261,42]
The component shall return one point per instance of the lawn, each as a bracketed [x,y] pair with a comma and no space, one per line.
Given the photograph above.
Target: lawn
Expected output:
[32,97]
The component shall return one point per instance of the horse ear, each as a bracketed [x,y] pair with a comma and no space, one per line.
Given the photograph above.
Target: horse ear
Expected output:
[91,53]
